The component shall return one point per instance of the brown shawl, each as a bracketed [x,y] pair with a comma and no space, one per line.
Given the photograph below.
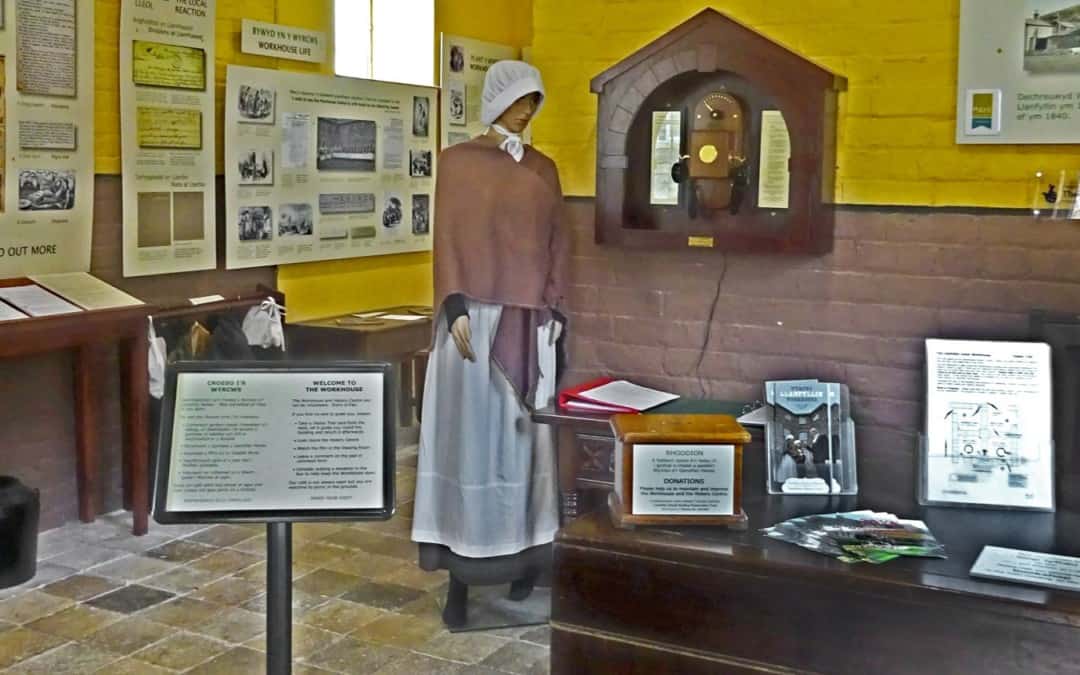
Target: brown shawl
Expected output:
[500,239]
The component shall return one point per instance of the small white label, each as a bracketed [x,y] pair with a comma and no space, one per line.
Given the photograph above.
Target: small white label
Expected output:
[206,299]
[283,42]
[684,480]
[983,112]
[1028,567]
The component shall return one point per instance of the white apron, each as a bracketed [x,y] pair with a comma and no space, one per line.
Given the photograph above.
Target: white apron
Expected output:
[485,481]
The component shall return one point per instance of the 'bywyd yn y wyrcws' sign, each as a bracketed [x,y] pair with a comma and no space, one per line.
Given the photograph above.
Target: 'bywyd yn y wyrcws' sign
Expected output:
[284,42]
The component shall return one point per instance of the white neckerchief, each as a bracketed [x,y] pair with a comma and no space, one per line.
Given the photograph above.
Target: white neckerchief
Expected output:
[511,144]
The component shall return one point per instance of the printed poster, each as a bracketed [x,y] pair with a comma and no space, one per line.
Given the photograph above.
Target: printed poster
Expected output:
[322,168]
[465,62]
[167,123]
[47,136]
[1019,74]
[989,433]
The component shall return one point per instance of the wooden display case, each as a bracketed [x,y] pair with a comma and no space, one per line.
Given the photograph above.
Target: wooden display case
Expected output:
[730,106]
[678,470]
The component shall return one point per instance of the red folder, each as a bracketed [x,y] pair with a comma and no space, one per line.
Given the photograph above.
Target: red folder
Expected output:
[571,399]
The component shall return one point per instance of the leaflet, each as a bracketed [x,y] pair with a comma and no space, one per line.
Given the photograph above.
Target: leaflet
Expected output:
[36,301]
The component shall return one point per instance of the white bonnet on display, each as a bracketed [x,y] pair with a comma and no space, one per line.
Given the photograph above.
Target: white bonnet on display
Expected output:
[506,82]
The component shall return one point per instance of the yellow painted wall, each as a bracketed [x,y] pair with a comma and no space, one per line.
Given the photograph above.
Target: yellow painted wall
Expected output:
[313,14]
[896,131]
[321,289]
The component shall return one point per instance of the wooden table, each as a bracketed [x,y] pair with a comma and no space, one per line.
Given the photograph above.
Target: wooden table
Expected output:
[701,600]
[88,333]
[402,343]
[585,443]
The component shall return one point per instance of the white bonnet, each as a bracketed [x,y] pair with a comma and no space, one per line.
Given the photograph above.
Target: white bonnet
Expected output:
[506,82]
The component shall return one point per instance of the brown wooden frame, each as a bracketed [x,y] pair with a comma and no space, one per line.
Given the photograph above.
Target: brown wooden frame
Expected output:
[804,92]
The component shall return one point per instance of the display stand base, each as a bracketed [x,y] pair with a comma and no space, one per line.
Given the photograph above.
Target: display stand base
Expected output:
[628,521]
[490,609]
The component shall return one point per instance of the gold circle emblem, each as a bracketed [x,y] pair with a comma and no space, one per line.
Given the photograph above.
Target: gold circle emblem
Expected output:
[708,153]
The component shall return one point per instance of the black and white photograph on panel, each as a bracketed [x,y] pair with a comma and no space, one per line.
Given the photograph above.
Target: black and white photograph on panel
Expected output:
[255,105]
[255,223]
[457,104]
[392,211]
[1052,36]
[421,109]
[345,145]
[421,214]
[295,220]
[457,58]
[256,167]
[420,163]
[46,190]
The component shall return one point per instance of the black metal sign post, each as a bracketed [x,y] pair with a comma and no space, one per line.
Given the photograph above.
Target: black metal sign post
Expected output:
[278,598]
[314,378]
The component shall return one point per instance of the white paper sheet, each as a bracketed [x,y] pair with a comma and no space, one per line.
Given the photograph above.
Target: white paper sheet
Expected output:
[9,313]
[403,317]
[627,395]
[756,417]
[988,423]
[36,301]
[206,299]
[1028,567]
[84,290]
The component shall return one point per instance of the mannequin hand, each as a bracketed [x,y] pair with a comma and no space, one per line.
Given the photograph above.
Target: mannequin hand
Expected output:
[462,335]
[556,332]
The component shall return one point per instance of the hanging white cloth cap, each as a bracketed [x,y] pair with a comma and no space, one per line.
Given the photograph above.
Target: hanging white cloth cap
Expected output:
[506,82]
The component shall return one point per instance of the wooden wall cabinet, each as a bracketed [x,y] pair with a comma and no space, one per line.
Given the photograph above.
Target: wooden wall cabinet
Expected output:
[702,95]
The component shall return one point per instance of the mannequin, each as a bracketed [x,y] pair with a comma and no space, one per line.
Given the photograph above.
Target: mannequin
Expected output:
[486,507]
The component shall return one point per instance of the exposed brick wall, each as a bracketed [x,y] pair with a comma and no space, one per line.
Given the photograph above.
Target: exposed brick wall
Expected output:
[858,315]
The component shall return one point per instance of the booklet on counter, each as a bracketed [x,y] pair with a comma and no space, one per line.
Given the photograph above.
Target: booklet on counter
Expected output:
[34,300]
[607,395]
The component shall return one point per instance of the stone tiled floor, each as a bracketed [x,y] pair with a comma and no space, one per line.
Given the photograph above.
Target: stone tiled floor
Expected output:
[191,599]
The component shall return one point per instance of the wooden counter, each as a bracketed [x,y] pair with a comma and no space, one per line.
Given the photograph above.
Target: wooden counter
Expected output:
[708,600]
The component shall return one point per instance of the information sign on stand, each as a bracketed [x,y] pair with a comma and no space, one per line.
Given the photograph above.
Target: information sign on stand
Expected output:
[276,442]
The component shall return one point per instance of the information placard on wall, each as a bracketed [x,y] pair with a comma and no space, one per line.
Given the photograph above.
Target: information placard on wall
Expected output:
[319,168]
[167,135]
[276,441]
[1019,72]
[465,62]
[46,136]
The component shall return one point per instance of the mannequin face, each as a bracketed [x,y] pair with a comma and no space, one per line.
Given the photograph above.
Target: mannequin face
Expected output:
[520,112]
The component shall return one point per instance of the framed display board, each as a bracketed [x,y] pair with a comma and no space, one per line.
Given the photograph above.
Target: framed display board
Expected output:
[989,433]
[1019,72]
[275,442]
[324,168]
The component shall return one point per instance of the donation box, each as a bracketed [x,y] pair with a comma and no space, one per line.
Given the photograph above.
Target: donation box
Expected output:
[678,470]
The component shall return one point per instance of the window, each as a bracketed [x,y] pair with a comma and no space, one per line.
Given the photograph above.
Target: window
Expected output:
[385,40]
